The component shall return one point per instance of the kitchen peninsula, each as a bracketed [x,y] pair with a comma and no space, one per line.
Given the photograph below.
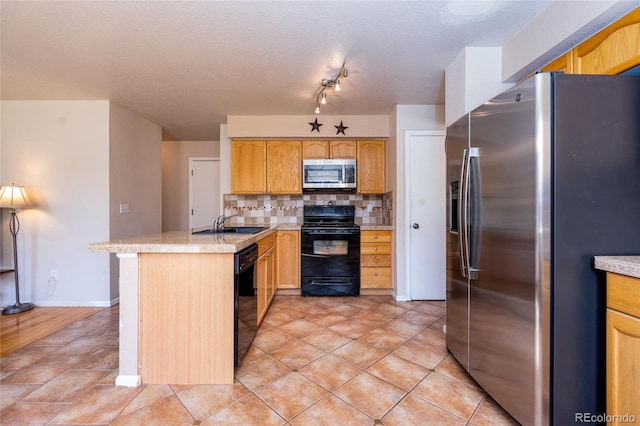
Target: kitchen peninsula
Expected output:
[623,336]
[177,306]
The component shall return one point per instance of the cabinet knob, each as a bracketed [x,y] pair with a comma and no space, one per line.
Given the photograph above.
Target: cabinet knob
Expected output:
[375,261]
[375,249]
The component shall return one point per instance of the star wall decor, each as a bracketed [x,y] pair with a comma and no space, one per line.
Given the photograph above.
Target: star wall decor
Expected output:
[315,126]
[341,128]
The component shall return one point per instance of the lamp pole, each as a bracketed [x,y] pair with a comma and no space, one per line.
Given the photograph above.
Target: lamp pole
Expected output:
[14,228]
[12,196]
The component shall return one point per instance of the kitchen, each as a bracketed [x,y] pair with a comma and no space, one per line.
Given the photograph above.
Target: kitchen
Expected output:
[360,131]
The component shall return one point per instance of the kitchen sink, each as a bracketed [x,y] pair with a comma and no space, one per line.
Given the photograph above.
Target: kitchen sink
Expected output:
[232,230]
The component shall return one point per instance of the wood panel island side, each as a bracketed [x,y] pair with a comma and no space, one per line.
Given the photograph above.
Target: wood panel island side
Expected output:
[177,306]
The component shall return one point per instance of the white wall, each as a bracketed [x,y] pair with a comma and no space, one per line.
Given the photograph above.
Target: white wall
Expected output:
[79,160]
[175,179]
[479,73]
[297,126]
[135,178]
[59,151]
[403,118]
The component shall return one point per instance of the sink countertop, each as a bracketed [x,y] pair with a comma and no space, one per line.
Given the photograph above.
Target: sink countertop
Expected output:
[181,242]
[623,265]
[185,242]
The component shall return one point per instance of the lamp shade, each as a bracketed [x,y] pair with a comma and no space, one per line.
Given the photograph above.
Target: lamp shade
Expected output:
[14,197]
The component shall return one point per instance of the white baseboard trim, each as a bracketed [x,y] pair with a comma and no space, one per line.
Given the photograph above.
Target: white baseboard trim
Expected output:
[71,304]
[399,298]
[129,381]
[76,303]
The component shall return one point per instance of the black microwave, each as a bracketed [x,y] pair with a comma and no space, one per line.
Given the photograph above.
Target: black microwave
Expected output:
[327,175]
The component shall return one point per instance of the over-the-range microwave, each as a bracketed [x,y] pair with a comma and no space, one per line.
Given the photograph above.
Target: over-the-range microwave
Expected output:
[327,175]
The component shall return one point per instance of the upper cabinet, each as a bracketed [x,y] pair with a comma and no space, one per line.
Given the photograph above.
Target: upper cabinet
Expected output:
[249,167]
[611,51]
[261,167]
[284,167]
[275,166]
[328,149]
[371,167]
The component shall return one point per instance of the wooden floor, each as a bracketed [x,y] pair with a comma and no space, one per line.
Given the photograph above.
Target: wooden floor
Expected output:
[19,330]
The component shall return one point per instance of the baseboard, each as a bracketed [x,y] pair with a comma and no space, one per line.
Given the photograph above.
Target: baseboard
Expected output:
[129,381]
[75,303]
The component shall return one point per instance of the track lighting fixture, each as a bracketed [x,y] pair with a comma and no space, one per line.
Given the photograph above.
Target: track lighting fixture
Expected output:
[321,95]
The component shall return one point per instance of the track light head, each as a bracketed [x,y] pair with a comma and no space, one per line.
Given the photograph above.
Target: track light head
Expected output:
[321,96]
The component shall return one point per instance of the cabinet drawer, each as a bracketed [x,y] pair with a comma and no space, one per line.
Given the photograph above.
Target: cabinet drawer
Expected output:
[375,260]
[375,277]
[623,294]
[375,248]
[375,237]
[266,244]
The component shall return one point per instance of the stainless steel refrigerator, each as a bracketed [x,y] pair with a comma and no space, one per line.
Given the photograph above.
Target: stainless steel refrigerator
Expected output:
[540,179]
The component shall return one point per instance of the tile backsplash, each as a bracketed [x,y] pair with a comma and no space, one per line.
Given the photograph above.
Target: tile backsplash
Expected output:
[288,209]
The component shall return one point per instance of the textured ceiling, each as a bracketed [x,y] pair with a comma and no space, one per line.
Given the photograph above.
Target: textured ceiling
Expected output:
[187,65]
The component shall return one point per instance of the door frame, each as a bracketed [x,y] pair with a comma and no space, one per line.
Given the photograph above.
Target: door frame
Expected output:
[406,232]
[189,177]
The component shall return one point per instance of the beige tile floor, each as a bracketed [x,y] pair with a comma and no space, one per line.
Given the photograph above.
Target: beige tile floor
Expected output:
[367,360]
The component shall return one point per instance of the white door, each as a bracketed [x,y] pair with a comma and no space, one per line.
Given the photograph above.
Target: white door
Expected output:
[426,204]
[204,191]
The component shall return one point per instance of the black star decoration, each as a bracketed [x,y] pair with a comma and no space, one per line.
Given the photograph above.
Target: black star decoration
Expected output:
[341,128]
[315,126]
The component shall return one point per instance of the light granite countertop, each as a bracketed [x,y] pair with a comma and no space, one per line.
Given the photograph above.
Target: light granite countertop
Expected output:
[181,242]
[623,265]
[185,242]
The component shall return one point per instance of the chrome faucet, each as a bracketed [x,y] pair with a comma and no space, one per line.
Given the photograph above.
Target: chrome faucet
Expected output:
[219,222]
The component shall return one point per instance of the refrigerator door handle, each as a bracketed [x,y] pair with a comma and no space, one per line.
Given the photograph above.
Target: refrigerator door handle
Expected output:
[462,214]
[472,209]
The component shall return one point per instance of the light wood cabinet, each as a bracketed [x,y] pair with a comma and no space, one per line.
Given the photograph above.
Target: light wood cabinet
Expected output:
[610,51]
[266,264]
[317,149]
[261,167]
[288,255]
[371,166]
[248,167]
[375,259]
[623,348]
[284,167]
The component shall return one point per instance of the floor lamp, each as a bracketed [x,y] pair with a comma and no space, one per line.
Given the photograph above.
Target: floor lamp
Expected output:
[15,197]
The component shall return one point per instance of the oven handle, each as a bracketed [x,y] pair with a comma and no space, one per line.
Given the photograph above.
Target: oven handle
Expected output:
[342,282]
[315,255]
[329,232]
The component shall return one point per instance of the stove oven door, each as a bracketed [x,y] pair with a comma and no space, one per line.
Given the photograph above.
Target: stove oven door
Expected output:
[330,263]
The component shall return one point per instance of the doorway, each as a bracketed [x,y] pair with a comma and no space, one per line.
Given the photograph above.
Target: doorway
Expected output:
[204,191]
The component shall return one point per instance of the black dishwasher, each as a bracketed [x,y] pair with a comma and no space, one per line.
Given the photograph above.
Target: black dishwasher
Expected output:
[246,309]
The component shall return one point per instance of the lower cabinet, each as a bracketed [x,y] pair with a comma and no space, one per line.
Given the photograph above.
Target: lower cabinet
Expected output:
[623,349]
[375,259]
[288,254]
[266,264]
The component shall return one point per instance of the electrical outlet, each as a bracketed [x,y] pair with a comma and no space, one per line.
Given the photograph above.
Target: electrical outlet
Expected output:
[124,208]
[267,207]
[54,274]
[370,208]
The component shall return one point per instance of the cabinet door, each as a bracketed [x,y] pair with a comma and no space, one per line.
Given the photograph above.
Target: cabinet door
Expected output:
[271,276]
[284,168]
[623,353]
[343,149]
[288,259]
[248,167]
[371,167]
[315,149]
[261,286]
